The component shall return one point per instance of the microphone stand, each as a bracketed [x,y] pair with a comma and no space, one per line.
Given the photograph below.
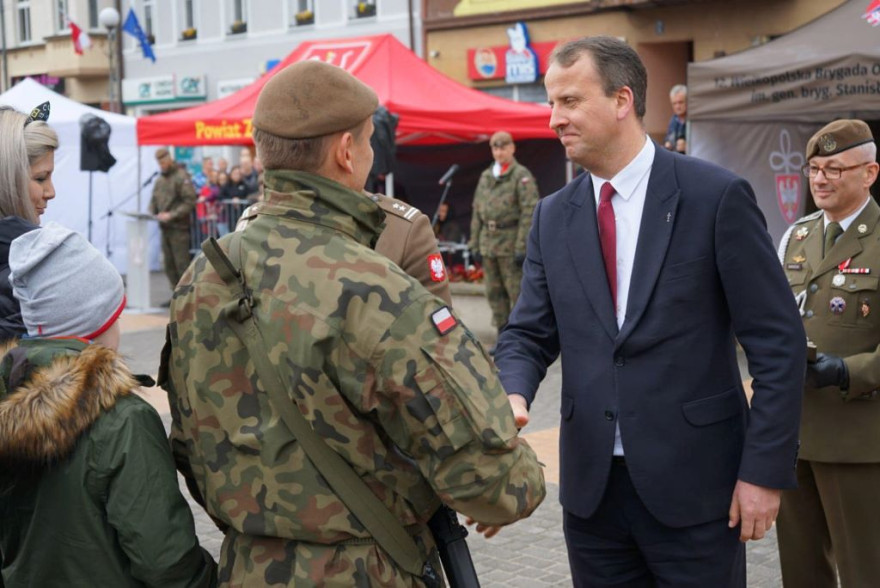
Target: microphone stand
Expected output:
[109,214]
[448,184]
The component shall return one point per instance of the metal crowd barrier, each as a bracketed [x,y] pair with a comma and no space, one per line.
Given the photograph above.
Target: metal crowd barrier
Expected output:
[214,219]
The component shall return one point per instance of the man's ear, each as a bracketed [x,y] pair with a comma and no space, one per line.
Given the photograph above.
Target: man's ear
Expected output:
[343,152]
[625,102]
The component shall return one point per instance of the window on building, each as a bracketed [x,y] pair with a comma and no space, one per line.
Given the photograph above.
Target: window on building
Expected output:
[303,12]
[24,21]
[94,9]
[189,30]
[237,16]
[239,10]
[364,8]
[147,21]
[61,15]
[189,20]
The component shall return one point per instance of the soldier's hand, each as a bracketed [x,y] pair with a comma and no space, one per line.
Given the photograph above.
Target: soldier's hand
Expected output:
[519,259]
[487,531]
[520,409]
[828,370]
[163,216]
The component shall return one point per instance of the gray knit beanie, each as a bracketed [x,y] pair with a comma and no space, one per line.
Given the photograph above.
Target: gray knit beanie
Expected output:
[64,285]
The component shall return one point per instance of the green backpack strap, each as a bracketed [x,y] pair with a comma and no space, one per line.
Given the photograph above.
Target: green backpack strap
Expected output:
[348,486]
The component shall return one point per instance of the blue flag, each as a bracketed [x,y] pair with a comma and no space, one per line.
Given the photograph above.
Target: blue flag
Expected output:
[133,28]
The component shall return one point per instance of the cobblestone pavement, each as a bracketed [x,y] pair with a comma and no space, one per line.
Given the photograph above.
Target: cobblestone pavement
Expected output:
[530,553]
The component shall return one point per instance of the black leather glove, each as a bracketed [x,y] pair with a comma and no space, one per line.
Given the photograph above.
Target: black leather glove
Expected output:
[519,259]
[828,370]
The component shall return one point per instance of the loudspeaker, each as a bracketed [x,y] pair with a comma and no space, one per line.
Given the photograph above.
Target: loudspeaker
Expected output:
[94,151]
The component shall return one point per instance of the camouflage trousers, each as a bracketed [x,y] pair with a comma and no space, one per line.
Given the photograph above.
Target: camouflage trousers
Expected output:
[502,276]
[175,251]
[259,561]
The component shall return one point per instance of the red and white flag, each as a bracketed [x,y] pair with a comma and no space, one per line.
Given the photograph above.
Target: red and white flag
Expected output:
[872,13]
[81,39]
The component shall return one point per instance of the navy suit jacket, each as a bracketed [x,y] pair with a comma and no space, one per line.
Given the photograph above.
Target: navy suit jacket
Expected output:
[705,274]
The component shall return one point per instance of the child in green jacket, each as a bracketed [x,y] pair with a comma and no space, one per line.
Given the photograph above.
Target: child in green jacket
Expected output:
[88,490]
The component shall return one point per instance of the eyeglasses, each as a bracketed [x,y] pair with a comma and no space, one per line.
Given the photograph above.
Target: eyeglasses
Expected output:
[831,173]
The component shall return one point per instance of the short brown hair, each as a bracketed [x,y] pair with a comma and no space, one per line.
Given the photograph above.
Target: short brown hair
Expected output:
[306,155]
[617,64]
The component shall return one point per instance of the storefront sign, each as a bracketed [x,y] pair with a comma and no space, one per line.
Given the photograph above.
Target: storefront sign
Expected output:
[227,87]
[54,83]
[521,62]
[192,87]
[164,89]
[498,63]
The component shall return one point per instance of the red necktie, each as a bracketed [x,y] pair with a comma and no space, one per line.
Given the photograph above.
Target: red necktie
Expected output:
[608,238]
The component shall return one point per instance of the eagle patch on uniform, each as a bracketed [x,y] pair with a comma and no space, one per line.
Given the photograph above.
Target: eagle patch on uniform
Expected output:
[436,267]
[443,320]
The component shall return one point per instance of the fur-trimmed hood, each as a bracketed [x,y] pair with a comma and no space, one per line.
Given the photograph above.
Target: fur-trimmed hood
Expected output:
[54,395]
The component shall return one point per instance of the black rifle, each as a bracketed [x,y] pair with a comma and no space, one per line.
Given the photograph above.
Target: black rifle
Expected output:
[450,535]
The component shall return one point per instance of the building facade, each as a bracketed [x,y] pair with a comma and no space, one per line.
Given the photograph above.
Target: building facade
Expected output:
[473,41]
[36,42]
[208,49]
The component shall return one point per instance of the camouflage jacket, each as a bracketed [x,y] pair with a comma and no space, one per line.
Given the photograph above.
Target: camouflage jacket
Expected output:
[502,211]
[174,193]
[379,367]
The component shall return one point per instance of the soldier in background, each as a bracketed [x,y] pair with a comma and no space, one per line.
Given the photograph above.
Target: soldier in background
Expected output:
[830,525]
[174,199]
[505,198]
[381,369]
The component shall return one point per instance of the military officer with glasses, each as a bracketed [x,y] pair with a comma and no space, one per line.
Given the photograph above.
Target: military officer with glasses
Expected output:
[830,525]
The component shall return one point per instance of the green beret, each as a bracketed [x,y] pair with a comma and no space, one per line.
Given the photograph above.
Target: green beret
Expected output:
[838,136]
[161,152]
[500,138]
[311,99]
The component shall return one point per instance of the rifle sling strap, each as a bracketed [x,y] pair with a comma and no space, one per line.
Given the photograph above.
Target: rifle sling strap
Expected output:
[385,528]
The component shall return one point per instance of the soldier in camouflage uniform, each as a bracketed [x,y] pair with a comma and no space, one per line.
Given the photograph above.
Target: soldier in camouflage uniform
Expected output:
[380,368]
[505,198]
[173,201]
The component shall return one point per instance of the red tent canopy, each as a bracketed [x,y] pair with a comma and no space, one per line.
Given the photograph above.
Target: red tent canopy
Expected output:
[433,108]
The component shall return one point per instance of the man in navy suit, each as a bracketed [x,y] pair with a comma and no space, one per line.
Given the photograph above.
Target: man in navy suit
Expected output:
[644,286]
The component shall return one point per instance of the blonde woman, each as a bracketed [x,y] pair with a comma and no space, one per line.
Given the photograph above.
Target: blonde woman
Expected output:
[27,161]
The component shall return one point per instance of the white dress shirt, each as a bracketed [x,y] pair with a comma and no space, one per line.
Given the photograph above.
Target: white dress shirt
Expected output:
[631,186]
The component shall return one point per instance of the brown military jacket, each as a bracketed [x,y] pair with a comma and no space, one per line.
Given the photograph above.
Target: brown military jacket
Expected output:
[409,241]
[502,212]
[841,314]
[174,193]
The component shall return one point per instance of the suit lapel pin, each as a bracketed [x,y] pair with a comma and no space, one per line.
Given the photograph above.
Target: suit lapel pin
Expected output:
[668,217]
[865,308]
[863,229]
[801,233]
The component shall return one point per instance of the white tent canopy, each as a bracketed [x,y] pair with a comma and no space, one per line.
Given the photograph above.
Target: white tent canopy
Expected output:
[113,192]
[753,112]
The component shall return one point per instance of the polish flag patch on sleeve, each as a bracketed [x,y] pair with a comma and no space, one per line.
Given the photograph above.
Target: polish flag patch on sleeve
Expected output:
[436,267]
[443,320]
